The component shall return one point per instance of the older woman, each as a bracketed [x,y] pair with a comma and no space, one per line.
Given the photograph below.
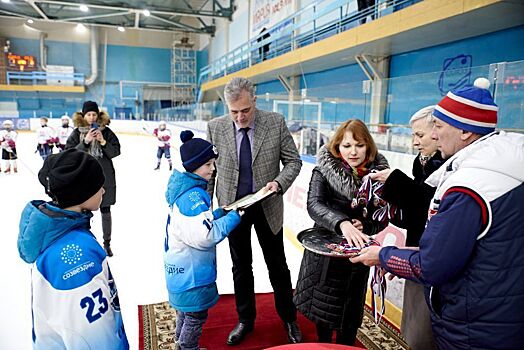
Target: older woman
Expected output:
[331,291]
[413,197]
[93,135]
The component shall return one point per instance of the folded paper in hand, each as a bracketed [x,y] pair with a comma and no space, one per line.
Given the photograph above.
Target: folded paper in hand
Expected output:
[250,199]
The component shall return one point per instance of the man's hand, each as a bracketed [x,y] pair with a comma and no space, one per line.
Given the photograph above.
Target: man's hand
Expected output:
[380,176]
[272,186]
[368,256]
[353,235]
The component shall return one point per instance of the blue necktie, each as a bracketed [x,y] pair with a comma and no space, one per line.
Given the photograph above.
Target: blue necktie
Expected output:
[245,171]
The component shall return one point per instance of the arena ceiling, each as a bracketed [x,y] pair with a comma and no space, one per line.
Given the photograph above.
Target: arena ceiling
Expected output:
[193,16]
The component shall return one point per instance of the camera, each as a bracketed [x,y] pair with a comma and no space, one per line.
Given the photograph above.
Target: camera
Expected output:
[94,125]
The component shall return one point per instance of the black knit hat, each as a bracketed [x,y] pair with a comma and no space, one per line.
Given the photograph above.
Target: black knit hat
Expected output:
[90,106]
[194,151]
[71,177]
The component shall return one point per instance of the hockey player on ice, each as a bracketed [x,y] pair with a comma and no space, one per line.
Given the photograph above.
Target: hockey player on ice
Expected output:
[8,145]
[45,137]
[63,133]
[163,135]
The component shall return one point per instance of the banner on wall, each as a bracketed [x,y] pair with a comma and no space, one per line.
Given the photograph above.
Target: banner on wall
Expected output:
[267,13]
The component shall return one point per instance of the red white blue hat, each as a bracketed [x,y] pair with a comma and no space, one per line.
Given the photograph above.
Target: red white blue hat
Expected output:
[471,108]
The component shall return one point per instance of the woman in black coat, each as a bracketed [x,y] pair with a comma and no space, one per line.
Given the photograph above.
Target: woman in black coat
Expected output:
[331,291]
[413,197]
[92,135]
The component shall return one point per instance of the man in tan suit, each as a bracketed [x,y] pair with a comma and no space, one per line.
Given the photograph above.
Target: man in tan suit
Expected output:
[252,144]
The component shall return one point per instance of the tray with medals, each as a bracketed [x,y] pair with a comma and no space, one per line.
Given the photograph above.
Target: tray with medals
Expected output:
[325,242]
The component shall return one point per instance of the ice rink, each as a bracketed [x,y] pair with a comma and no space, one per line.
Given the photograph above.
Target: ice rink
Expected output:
[137,240]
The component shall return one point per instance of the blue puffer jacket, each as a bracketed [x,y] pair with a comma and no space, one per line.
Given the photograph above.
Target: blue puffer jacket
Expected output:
[192,233]
[74,298]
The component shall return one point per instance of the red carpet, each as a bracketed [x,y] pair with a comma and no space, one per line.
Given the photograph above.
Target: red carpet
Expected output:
[269,330]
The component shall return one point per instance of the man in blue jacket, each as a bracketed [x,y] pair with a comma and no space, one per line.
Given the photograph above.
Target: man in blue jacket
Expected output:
[470,256]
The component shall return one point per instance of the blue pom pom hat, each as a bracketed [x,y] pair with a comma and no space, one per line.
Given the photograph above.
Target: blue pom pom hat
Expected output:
[471,108]
[195,151]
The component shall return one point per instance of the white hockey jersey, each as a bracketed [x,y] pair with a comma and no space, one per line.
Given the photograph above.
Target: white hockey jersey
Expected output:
[63,134]
[163,137]
[45,134]
[8,139]
[75,301]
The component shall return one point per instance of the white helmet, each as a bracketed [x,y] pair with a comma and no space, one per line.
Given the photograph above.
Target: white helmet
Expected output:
[7,123]
[65,117]
[162,122]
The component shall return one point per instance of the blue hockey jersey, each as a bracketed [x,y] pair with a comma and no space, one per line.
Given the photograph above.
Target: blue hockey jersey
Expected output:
[74,297]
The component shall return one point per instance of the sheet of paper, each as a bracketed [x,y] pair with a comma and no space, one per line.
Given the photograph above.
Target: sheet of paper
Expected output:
[250,199]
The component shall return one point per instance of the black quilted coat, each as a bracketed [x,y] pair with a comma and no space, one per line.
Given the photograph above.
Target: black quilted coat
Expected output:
[331,291]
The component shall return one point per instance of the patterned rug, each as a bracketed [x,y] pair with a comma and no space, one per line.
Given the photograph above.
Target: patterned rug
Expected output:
[378,337]
[157,329]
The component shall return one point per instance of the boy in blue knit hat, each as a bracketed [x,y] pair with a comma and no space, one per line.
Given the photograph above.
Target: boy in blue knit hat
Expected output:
[192,233]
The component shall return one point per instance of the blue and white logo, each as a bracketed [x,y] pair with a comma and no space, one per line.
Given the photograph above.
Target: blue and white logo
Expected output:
[71,254]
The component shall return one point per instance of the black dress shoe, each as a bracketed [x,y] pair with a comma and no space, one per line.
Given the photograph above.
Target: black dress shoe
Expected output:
[294,335]
[238,333]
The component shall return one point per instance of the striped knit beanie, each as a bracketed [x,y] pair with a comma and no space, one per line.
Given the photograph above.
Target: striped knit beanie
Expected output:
[471,108]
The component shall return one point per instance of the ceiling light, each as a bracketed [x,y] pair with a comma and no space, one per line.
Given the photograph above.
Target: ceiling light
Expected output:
[84,8]
[30,21]
[146,13]
[121,29]
[80,28]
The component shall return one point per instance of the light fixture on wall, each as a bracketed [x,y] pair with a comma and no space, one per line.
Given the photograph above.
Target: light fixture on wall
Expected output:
[146,13]
[30,21]
[84,8]
[121,29]
[80,28]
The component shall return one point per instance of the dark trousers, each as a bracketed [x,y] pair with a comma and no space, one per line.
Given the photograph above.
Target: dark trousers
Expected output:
[363,6]
[107,224]
[44,150]
[346,337]
[166,151]
[189,328]
[273,250]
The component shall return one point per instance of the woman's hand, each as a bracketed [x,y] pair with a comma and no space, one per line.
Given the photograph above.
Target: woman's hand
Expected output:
[380,176]
[90,136]
[99,137]
[357,224]
[353,235]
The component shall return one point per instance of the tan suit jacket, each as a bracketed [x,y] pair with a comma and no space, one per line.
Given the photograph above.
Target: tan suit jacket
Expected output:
[272,144]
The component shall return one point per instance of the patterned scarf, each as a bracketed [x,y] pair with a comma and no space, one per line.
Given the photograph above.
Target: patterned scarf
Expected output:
[425,159]
[94,148]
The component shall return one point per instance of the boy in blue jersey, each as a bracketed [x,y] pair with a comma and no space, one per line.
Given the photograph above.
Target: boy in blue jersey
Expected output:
[74,298]
[192,233]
